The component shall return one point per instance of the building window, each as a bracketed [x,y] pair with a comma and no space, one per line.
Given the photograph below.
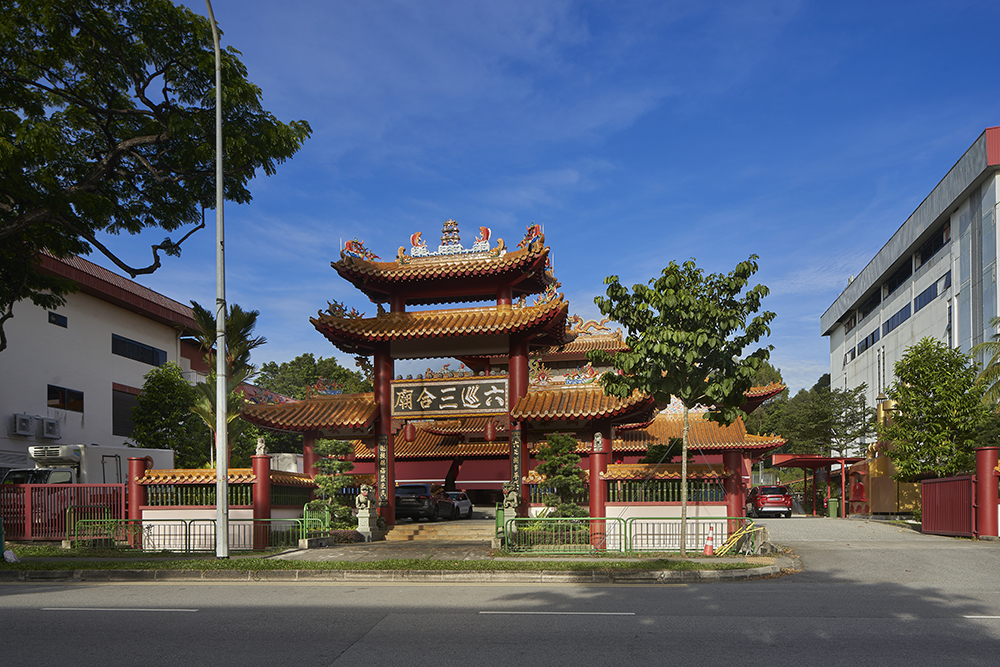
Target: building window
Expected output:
[147,354]
[57,319]
[871,304]
[869,341]
[896,320]
[65,399]
[931,246]
[123,399]
[899,278]
[852,322]
[925,297]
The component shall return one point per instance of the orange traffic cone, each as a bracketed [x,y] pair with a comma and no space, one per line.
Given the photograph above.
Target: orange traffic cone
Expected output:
[709,546]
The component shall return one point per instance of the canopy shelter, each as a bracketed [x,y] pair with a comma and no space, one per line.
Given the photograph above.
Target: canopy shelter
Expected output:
[814,462]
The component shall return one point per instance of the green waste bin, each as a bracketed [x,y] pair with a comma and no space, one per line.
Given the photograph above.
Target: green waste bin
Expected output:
[833,505]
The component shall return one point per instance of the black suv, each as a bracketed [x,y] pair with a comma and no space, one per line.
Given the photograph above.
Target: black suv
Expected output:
[424,501]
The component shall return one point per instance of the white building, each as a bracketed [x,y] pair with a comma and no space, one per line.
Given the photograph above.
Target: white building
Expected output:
[937,277]
[71,375]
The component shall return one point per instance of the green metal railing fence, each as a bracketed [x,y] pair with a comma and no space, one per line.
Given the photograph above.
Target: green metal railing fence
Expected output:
[664,491]
[191,535]
[179,495]
[613,534]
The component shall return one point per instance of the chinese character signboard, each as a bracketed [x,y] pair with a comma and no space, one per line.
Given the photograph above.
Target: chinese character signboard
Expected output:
[449,396]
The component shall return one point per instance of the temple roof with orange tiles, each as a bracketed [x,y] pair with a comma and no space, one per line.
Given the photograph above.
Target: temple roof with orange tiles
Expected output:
[451,438]
[359,335]
[452,273]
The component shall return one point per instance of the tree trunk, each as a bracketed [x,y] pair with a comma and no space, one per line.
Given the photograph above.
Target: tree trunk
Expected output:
[684,483]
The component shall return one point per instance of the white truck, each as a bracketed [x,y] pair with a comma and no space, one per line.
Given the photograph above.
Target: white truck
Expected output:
[84,464]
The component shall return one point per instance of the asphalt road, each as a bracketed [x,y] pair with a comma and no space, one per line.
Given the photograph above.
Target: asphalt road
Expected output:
[891,599]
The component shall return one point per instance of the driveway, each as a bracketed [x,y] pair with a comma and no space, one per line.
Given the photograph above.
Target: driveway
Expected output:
[863,551]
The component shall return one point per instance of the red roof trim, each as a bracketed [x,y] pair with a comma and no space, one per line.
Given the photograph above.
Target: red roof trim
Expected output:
[122,292]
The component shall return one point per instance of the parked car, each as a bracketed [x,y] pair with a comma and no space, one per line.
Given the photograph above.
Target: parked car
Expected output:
[765,500]
[463,504]
[424,501]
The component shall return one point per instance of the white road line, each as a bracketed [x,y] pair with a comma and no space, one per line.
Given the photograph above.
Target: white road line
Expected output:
[561,613]
[112,609]
[981,616]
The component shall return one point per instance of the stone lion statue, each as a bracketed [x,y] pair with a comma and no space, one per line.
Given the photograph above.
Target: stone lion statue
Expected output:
[511,498]
[366,497]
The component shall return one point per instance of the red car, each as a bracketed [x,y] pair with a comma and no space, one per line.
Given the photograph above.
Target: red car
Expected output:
[764,500]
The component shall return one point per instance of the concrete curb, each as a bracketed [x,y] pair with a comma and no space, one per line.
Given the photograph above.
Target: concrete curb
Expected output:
[396,576]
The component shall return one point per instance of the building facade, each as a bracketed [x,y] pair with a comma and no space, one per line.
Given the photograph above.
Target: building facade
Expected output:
[936,277]
[71,375]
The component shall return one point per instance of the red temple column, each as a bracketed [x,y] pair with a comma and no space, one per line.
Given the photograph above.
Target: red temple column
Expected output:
[505,296]
[261,501]
[517,389]
[600,450]
[986,492]
[137,497]
[309,457]
[385,457]
[732,461]
[397,303]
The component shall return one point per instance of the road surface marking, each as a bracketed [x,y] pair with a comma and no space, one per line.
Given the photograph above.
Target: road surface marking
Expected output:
[562,613]
[111,609]
[982,617]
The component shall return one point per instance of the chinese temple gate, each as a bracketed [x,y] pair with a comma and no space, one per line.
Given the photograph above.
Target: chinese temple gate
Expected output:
[498,404]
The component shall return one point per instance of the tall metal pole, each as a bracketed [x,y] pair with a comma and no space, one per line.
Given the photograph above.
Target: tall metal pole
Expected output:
[221,371]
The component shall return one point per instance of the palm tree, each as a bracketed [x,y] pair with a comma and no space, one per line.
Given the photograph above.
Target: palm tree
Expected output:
[990,374]
[240,341]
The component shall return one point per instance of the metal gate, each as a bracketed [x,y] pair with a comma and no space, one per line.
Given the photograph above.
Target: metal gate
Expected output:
[38,511]
[948,506]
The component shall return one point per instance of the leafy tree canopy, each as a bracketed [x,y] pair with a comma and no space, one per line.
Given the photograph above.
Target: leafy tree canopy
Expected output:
[107,125]
[559,465]
[686,334]
[163,417]
[827,421]
[938,412]
[293,378]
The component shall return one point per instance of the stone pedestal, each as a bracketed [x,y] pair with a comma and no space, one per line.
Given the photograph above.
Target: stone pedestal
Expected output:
[368,525]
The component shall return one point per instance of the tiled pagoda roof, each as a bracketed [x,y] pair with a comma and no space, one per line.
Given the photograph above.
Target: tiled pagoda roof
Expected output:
[703,434]
[207,476]
[450,278]
[757,395]
[644,471]
[359,335]
[578,402]
[583,344]
[323,412]
[430,442]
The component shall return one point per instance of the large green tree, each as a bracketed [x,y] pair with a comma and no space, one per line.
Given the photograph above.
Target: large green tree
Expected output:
[107,125]
[163,417]
[686,333]
[938,412]
[294,378]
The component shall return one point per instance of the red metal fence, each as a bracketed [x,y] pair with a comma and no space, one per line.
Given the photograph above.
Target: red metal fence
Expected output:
[38,511]
[948,506]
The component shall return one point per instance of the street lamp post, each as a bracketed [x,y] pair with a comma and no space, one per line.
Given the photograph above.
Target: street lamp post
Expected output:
[221,374]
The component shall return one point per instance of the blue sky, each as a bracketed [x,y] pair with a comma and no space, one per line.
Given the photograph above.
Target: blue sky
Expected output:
[635,133]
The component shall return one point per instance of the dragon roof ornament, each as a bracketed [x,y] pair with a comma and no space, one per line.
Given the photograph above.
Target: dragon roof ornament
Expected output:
[451,245]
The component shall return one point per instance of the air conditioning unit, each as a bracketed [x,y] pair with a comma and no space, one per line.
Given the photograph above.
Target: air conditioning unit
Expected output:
[21,424]
[50,428]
